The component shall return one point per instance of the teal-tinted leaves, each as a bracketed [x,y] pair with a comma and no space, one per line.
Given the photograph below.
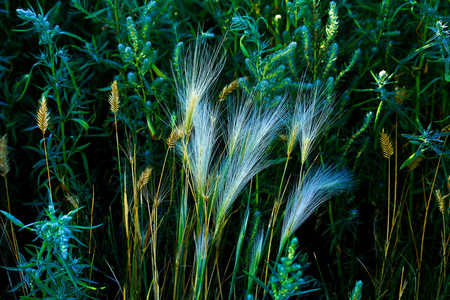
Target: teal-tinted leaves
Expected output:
[13,219]
[52,270]
[427,140]
[45,30]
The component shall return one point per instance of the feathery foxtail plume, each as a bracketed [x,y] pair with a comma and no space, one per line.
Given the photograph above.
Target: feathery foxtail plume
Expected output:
[43,119]
[251,130]
[312,115]
[201,145]
[228,89]
[199,70]
[313,189]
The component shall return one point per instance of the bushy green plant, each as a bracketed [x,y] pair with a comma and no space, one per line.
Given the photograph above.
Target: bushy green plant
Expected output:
[288,277]
[52,271]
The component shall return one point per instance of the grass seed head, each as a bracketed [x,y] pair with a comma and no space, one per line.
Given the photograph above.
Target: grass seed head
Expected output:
[313,189]
[4,160]
[114,97]
[440,201]
[227,90]
[43,116]
[386,145]
[200,69]
[144,178]
[312,116]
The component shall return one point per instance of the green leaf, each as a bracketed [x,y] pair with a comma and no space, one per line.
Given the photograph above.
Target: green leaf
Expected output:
[243,47]
[265,287]
[12,219]
[28,81]
[408,161]
[158,72]
[96,13]
[82,123]
[377,115]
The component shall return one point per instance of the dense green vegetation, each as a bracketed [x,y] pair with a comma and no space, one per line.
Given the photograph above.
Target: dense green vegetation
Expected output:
[200,149]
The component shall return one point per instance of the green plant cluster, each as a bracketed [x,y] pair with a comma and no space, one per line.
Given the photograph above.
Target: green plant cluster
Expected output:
[52,272]
[222,143]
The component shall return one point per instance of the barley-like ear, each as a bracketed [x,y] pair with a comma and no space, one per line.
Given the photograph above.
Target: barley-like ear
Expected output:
[144,178]
[228,90]
[440,201]
[174,136]
[401,94]
[73,200]
[415,163]
[386,145]
[114,98]
[4,161]
[42,116]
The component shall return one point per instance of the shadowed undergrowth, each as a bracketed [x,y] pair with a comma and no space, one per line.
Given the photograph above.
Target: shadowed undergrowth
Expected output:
[224,150]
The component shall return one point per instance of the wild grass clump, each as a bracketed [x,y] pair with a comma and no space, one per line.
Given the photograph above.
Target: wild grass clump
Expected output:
[229,149]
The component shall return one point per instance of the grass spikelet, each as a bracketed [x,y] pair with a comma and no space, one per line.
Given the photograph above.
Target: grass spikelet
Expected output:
[415,163]
[313,189]
[227,90]
[440,201]
[251,130]
[4,160]
[401,94]
[42,116]
[144,178]
[200,149]
[312,115]
[73,200]
[199,70]
[114,98]
[174,136]
[386,145]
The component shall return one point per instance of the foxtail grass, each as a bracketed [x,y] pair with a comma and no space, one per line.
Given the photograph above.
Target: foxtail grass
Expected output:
[11,236]
[43,119]
[312,115]
[200,68]
[250,132]
[312,189]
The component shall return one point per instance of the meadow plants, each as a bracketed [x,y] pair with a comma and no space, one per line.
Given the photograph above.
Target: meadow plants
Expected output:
[224,149]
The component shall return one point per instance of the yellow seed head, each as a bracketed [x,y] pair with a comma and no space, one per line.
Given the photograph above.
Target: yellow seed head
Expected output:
[144,178]
[440,201]
[42,116]
[386,145]
[175,135]
[4,161]
[114,98]
[228,90]
[73,200]
[415,163]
